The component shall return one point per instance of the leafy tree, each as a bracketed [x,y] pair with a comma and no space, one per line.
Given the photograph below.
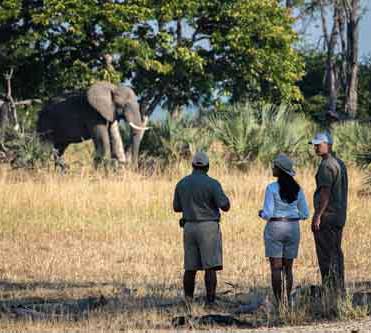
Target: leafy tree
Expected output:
[56,45]
[174,52]
[200,51]
[339,20]
[313,90]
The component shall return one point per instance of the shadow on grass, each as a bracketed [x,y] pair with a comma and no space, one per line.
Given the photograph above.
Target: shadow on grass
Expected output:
[20,301]
[23,301]
[231,299]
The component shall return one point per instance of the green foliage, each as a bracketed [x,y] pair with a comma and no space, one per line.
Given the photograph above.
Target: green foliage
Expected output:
[27,117]
[25,150]
[364,89]
[9,9]
[352,141]
[259,132]
[175,139]
[285,131]
[346,310]
[202,51]
[175,53]
[312,86]
[238,129]
[60,45]
[312,83]
[315,106]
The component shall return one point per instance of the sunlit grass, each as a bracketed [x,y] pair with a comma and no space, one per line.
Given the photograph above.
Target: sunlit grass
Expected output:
[87,233]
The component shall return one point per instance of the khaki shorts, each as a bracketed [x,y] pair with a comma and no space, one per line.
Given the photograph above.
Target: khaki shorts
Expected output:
[202,246]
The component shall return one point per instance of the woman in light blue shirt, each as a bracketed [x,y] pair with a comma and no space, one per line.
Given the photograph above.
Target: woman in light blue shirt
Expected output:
[284,207]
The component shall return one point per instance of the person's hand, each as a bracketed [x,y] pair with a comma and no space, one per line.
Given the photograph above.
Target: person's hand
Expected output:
[316,221]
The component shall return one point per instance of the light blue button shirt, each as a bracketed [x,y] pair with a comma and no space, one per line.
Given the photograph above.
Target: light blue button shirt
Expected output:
[275,207]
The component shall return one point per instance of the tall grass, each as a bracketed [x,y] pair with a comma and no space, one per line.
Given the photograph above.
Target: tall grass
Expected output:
[86,234]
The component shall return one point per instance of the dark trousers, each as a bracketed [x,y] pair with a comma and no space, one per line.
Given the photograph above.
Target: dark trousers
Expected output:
[330,256]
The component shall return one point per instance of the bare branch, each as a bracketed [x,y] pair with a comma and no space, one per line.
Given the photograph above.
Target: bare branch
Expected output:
[27,102]
[8,78]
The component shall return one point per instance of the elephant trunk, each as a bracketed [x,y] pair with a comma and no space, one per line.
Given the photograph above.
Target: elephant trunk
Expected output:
[134,119]
[137,138]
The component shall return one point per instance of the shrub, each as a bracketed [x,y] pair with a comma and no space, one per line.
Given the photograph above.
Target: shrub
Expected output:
[239,131]
[260,131]
[174,139]
[25,150]
[354,141]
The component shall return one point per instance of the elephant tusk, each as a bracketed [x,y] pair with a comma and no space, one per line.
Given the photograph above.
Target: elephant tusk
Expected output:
[138,127]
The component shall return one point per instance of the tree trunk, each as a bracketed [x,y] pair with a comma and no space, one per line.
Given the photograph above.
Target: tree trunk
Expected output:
[10,101]
[353,17]
[331,77]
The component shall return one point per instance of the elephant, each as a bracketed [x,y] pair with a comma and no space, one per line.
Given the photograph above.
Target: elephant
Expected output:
[93,114]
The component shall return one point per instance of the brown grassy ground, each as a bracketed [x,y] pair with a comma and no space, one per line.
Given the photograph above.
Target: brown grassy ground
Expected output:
[64,238]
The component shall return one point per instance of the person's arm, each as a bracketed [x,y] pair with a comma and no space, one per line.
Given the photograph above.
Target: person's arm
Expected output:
[221,199]
[324,198]
[302,206]
[267,212]
[177,205]
[326,178]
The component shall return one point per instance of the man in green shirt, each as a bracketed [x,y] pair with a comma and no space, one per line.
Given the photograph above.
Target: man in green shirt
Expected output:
[330,205]
[199,198]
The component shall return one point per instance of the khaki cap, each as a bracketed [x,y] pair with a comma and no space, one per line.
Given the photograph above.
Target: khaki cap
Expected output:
[200,159]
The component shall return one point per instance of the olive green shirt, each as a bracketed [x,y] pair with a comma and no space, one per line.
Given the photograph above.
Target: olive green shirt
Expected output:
[332,173]
[199,197]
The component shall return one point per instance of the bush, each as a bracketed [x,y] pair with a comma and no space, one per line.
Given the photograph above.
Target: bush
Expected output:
[174,139]
[239,131]
[354,141]
[259,132]
[25,150]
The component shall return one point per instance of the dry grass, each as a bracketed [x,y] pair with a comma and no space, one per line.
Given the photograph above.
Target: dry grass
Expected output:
[86,234]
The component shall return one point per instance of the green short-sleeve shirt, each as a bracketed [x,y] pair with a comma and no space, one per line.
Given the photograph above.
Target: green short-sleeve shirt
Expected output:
[332,173]
[199,197]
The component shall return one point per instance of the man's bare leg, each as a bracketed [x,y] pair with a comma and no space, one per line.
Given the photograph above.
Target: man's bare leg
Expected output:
[189,284]
[210,284]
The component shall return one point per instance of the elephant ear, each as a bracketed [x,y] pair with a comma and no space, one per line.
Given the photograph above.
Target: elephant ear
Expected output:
[99,96]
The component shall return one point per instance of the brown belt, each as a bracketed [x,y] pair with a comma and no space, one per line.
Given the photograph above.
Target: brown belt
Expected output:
[284,219]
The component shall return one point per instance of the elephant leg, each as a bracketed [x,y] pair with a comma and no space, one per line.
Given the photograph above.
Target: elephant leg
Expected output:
[101,141]
[117,147]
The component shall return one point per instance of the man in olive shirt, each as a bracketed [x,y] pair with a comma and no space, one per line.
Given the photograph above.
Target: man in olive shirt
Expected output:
[330,204]
[199,197]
